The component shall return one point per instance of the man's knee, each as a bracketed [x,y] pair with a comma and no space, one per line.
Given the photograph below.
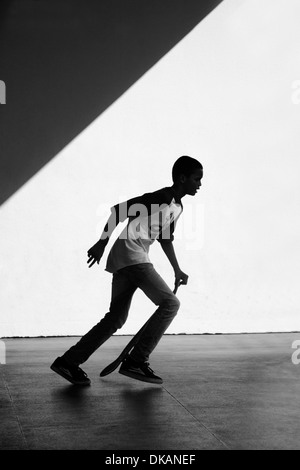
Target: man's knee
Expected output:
[117,324]
[116,321]
[172,304]
[176,303]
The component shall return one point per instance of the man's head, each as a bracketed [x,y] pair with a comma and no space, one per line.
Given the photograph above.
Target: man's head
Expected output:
[187,173]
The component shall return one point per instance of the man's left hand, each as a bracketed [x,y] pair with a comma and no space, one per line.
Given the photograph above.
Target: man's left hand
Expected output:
[181,278]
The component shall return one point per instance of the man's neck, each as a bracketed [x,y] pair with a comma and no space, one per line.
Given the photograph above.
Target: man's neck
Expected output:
[179,192]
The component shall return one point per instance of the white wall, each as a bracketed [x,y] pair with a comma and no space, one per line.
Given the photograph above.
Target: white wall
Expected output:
[224,95]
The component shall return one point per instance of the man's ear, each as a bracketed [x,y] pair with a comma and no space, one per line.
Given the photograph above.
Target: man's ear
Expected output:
[182,178]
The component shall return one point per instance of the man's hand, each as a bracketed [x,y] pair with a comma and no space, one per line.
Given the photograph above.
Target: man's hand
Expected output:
[95,253]
[181,278]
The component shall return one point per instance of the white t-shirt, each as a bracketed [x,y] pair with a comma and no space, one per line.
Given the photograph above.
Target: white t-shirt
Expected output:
[152,216]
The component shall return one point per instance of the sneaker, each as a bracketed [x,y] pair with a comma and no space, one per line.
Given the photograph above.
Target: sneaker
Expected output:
[73,374]
[139,371]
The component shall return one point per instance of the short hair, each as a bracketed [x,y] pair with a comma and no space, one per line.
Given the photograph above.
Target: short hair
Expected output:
[185,166]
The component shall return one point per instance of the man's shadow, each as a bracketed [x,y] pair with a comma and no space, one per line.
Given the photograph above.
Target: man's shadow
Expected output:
[142,402]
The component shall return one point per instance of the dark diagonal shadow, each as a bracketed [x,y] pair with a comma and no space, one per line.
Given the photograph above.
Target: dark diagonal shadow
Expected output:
[65,62]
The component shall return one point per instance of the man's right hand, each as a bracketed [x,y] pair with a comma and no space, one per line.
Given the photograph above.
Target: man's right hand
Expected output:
[95,253]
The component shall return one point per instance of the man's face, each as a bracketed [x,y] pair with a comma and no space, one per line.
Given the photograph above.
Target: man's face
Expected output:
[193,182]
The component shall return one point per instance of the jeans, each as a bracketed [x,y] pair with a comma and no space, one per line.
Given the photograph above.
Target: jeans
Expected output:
[125,282]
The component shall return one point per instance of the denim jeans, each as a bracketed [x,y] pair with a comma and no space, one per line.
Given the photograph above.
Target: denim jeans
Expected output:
[125,282]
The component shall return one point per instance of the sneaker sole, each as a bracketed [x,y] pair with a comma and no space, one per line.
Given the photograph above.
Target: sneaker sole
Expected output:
[141,378]
[67,377]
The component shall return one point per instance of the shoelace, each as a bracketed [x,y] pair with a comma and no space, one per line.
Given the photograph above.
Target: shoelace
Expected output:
[147,365]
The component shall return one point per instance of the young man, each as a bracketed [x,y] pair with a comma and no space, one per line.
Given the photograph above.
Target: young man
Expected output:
[152,216]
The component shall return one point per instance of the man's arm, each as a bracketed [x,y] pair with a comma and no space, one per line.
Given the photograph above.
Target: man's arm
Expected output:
[95,253]
[119,213]
[168,249]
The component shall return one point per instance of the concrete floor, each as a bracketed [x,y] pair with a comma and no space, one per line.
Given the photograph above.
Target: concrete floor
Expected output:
[219,392]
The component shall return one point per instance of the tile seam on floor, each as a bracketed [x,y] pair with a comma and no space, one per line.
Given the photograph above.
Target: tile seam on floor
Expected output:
[197,420]
[15,412]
